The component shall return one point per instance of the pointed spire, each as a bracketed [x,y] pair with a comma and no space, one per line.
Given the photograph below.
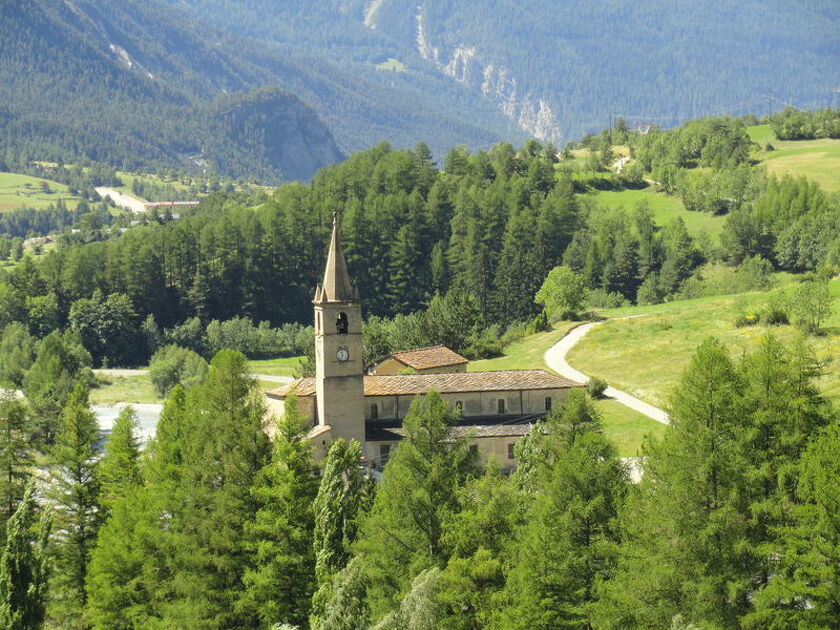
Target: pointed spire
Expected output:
[337,286]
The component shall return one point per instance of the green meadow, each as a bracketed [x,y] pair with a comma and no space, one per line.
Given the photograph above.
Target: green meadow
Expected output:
[646,355]
[625,427]
[815,159]
[23,191]
[665,208]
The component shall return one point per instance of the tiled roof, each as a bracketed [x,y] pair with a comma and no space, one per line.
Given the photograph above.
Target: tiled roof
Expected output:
[450,383]
[427,358]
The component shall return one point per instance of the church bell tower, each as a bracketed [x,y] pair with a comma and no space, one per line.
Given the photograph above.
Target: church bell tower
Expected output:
[339,367]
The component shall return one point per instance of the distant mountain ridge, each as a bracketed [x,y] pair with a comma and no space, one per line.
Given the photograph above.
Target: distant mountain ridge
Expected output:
[559,68]
[119,84]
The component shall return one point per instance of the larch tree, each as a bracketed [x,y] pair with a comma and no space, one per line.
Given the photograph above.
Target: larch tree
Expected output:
[685,537]
[402,535]
[207,494]
[280,580]
[24,567]
[75,494]
[567,544]
[15,455]
[119,468]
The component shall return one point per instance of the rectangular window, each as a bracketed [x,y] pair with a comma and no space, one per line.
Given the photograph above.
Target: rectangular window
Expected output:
[501,406]
[548,403]
[374,412]
[384,452]
[473,448]
[510,450]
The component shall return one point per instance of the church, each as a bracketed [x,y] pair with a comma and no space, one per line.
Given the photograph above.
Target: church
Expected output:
[496,408]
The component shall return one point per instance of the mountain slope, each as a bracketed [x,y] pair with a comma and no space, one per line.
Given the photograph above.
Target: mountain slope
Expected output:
[86,79]
[558,68]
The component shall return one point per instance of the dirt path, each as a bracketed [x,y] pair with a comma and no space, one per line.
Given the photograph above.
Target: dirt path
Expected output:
[555,357]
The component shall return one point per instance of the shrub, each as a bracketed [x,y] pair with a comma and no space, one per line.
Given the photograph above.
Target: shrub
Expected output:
[747,320]
[600,298]
[776,310]
[596,387]
[540,323]
[173,365]
[484,345]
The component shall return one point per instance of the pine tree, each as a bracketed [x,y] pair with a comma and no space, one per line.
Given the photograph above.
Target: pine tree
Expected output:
[568,543]
[75,493]
[280,582]
[206,492]
[338,504]
[15,455]
[130,567]
[24,568]
[119,468]
[403,533]
[685,547]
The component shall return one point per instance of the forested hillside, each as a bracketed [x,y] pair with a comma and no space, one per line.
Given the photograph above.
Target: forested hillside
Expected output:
[83,81]
[481,231]
[140,84]
[559,69]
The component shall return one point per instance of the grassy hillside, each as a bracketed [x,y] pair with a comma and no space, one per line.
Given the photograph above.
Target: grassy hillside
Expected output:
[625,427]
[23,191]
[816,159]
[665,208]
[645,355]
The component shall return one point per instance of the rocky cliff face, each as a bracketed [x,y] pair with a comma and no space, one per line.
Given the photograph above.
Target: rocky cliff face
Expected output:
[465,65]
[278,127]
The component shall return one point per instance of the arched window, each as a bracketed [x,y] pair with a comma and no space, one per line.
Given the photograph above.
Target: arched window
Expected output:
[341,323]
[548,403]
[374,412]
[501,406]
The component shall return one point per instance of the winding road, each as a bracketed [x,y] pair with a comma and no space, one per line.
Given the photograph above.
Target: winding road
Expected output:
[555,357]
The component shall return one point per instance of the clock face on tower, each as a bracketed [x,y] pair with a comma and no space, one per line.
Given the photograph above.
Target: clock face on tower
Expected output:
[342,355]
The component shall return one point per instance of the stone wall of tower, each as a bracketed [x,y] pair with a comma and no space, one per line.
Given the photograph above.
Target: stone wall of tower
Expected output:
[339,364]
[339,381]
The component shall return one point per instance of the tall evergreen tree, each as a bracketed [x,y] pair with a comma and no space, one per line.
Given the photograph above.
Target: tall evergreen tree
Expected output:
[280,581]
[131,565]
[802,591]
[75,495]
[207,480]
[24,567]
[15,455]
[119,468]
[568,543]
[686,547]
[403,533]
[61,363]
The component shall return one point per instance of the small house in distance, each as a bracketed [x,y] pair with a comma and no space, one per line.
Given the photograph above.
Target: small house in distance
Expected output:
[432,360]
